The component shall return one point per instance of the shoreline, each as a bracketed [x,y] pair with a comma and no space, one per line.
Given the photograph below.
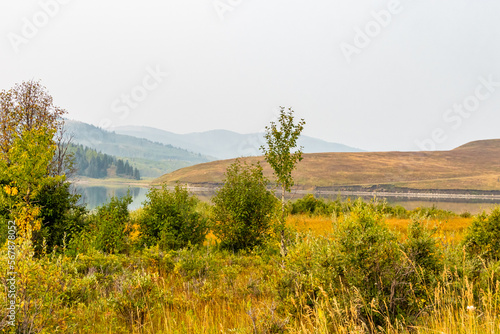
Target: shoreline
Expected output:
[411,194]
[114,182]
[403,193]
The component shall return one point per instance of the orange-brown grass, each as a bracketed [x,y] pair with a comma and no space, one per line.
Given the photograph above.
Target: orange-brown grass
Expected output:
[318,225]
[221,305]
[232,296]
[236,295]
[449,230]
[474,166]
[466,316]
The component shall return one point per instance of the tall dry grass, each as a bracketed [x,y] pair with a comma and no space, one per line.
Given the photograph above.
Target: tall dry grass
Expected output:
[449,230]
[209,291]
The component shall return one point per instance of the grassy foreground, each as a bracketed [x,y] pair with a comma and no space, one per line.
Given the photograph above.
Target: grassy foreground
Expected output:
[208,290]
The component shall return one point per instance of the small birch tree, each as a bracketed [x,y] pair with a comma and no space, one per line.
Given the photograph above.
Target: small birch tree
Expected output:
[281,141]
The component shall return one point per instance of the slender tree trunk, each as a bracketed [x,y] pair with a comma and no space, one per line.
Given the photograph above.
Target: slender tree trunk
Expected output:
[284,251]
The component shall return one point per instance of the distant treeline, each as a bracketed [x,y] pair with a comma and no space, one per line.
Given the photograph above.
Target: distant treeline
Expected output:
[91,163]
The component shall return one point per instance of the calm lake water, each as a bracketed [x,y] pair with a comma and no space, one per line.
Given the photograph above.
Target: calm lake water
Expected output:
[94,196]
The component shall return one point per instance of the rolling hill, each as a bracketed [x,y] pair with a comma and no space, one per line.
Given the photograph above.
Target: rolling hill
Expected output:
[225,144]
[474,166]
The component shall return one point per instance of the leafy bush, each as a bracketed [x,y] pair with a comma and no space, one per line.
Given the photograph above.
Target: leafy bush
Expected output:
[62,218]
[422,264]
[361,267]
[110,223]
[158,261]
[397,211]
[97,262]
[243,208]
[194,265]
[432,212]
[170,219]
[483,236]
[369,252]
[104,230]
[422,249]
[135,297]
[81,290]
[466,214]
[310,205]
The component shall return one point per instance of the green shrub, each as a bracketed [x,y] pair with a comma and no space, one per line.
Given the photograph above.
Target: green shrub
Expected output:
[362,268]
[98,263]
[62,218]
[243,208]
[193,264]
[398,211]
[432,212]
[81,290]
[483,236]
[110,222]
[170,219]
[422,249]
[369,252]
[422,265]
[466,214]
[157,260]
[135,297]
[309,205]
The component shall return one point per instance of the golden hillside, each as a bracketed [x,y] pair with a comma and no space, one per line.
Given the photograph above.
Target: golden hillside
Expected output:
[474,166]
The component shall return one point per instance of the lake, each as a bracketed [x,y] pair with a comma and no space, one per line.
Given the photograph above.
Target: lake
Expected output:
[94,196]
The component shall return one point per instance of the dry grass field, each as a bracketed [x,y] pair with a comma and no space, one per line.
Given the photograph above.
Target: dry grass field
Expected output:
[207,290]
[449,230]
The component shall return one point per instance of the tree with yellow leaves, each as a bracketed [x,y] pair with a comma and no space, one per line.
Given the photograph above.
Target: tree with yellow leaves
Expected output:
[32,165]
[24,167]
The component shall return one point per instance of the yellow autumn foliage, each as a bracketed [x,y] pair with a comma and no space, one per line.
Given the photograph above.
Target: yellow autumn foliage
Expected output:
[11,191]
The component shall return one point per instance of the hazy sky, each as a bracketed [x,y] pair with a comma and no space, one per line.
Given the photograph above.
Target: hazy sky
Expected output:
[378,75]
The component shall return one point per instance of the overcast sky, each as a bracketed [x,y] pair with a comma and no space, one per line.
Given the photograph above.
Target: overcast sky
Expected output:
[377,75]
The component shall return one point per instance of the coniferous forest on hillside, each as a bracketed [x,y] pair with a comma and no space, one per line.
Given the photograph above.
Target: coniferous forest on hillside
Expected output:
[90,163]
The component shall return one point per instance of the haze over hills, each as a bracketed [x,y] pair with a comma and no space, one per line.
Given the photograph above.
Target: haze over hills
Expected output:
[224,144]
[151,158]
[474,166]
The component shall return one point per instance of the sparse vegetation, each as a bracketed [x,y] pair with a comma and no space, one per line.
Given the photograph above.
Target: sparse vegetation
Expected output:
[351,269]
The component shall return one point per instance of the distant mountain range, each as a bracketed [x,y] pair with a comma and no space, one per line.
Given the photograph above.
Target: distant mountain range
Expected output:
[151,158]
[224,144]
[156,152]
